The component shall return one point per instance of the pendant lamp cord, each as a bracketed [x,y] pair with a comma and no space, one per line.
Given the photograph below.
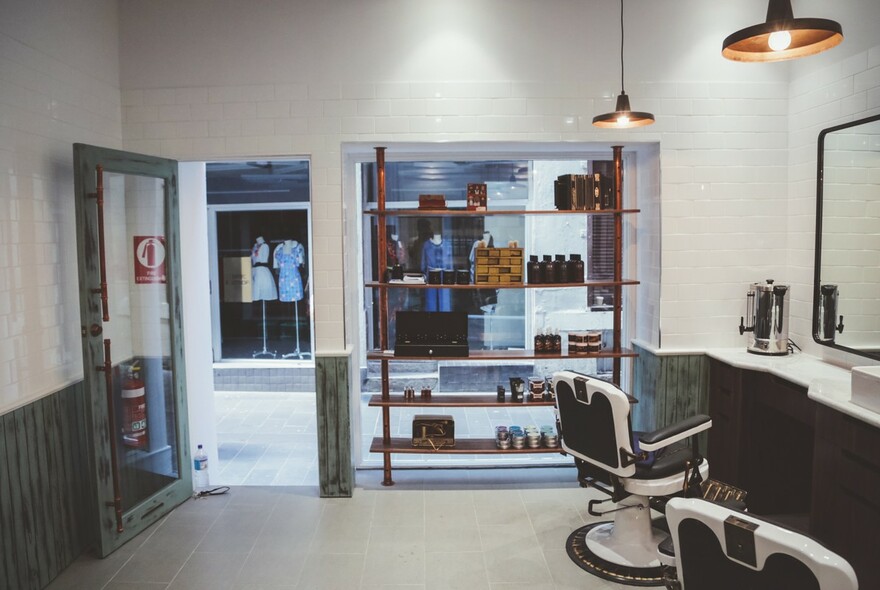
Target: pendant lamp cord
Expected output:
[621,47]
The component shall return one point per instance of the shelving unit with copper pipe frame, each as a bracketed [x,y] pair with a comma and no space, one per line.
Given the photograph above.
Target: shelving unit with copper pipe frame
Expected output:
[386,445]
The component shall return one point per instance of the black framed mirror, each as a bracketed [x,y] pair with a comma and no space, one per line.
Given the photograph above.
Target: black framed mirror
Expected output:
[846,283]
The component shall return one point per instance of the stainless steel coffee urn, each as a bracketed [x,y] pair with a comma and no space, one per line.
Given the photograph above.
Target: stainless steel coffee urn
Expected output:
[828,326]
[767,313]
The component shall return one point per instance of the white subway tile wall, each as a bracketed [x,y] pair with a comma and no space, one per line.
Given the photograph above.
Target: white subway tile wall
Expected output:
[727,150]
[59,84]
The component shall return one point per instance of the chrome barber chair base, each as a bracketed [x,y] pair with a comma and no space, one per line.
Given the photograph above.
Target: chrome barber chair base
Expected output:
[578,547]
[630,540]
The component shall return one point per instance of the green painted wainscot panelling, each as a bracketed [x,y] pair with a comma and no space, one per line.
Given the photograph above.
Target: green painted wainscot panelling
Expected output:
[45,515]
[333,390]
[669,387]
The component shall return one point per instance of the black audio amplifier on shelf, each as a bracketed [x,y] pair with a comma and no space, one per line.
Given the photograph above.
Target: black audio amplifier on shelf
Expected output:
[431,334]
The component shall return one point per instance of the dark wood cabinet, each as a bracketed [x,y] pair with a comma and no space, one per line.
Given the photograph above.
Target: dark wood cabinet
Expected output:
[761,438]
[778,470]
[726,438]
[846,490]
[806,464]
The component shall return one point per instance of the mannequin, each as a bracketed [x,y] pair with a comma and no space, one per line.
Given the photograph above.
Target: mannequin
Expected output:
[395,252]
[263,285]
[485,299]
[437,253]
[288,257]
[487,241]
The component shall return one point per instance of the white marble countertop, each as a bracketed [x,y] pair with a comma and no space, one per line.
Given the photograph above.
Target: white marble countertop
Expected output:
[826,384]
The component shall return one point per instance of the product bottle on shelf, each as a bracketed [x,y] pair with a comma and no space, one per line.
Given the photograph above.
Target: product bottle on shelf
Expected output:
[578,265]
[200,464]
[534,274]
[559,269]
[546,269]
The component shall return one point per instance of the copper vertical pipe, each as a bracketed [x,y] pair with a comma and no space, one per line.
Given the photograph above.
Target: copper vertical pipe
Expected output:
[382,241]
[618,253]
[107,368]
[102,258]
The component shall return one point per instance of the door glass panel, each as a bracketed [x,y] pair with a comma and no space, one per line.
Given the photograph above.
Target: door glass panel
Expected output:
[139,329]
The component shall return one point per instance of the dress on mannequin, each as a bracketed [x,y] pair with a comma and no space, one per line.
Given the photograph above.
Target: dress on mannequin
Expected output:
[485,299]
[395,254]
[437,253]
[263,286]
[486,242]
[262,281]
[288,258]
[394,250]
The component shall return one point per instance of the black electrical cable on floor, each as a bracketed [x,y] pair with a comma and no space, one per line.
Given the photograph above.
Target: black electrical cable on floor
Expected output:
[214,492]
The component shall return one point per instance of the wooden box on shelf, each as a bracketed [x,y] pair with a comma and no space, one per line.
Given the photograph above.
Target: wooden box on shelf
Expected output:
[477,198]
[498,266]
[432,202]
[434,431]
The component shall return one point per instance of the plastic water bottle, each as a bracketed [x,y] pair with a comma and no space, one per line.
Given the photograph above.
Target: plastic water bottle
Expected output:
[200,463]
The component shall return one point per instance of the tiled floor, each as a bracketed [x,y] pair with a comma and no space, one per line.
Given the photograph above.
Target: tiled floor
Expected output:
[266,438]
[436,529]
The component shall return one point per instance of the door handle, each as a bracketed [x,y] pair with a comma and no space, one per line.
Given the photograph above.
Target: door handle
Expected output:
[107,368]
[98,195]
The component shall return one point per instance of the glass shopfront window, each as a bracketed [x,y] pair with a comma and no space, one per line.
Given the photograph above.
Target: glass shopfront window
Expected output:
[429,249]
[261,252]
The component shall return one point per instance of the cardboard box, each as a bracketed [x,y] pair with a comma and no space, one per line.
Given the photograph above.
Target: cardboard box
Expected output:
[498,265]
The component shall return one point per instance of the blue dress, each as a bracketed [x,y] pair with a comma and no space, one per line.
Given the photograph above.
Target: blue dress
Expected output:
[437,256]
[288,258]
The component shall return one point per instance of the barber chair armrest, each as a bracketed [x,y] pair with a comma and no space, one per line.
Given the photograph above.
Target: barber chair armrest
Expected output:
[652,441]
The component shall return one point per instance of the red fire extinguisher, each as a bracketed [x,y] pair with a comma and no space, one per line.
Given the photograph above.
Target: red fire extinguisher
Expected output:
[134,408]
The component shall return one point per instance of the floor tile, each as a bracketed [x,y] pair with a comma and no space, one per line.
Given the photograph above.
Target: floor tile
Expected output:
[270,567]
[430,532]
[134,586]
[395,555]
[457,571]
[209,571]
[331,572]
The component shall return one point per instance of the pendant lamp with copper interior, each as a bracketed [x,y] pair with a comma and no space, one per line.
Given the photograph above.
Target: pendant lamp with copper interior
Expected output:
[623,117]
[782,36]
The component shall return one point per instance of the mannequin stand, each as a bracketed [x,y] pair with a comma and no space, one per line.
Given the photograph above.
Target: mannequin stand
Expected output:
[265,351]
[296,353]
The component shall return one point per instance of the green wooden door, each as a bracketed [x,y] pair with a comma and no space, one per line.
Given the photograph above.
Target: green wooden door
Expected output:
[130,303]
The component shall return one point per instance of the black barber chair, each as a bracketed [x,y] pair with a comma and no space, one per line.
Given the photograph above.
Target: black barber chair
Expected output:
[717,548]
[636,472]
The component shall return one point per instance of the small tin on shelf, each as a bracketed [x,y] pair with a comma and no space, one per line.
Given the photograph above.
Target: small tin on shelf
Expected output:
[536,388]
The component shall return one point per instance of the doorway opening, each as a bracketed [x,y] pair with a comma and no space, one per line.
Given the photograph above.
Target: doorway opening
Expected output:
[262,332]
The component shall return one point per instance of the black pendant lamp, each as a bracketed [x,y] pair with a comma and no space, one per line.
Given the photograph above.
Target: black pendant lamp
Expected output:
[623,117]
[782,36]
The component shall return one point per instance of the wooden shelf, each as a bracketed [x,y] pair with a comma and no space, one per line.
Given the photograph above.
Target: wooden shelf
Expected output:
[472,287]
[465,213]
[500,355]
[380,211]
[467,400]
[463,446]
